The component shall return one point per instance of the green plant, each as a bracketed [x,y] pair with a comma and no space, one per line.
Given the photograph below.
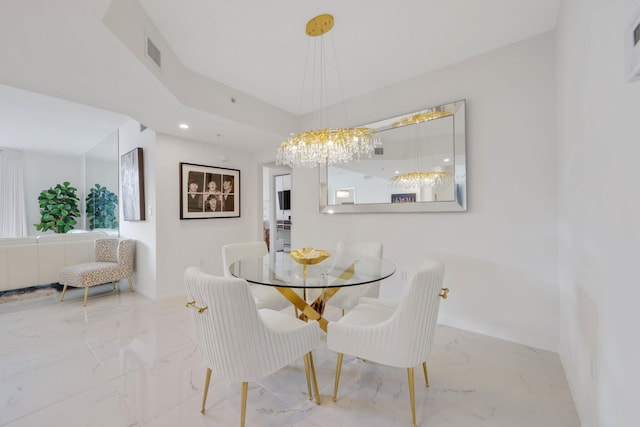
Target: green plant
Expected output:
[58,208]
[102,206]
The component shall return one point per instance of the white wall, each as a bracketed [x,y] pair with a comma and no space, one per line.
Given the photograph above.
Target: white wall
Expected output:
[43,171]
[501,255]
[183,243]
[599,235]
[144,232]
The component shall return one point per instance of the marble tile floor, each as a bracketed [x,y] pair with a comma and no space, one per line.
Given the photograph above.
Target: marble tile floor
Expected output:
[127,361]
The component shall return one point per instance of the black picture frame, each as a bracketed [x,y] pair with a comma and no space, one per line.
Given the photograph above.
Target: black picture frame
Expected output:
[209,192]
[132,183]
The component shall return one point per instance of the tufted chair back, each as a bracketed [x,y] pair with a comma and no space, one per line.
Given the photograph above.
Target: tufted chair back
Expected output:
[239,342]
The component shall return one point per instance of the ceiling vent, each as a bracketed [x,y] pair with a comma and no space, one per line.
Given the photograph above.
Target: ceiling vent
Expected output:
[154,53]
[378,151]
[632,47]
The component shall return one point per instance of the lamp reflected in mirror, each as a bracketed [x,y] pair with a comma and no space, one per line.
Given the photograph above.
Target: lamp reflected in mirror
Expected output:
[428,177]
[419,167]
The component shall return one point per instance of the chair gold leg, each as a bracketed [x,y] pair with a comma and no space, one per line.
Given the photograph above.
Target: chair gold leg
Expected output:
[426,377]
[313,375]
[86,294]
[64,290]
[306,371]
[130,283]
[207,379]
[338,369]
[243,408]
[412,396]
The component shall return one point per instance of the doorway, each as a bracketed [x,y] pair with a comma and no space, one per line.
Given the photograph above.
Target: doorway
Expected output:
[277,207]
[283,212]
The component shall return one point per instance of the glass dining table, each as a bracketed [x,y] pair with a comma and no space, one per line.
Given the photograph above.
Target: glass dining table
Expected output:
[295,282]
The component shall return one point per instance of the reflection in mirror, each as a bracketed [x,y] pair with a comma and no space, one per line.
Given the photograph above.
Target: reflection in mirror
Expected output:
[419,167]
[101,183]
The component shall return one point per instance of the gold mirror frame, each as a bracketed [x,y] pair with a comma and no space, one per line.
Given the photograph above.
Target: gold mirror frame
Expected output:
[454,116]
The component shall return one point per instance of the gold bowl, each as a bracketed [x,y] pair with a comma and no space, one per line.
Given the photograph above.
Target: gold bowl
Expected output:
[309,255]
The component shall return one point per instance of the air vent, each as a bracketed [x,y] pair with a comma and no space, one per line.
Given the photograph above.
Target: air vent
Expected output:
[154,53]
[378,151]
[632,48]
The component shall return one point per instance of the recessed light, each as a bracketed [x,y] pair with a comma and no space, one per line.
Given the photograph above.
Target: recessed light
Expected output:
[447,160]
[184,126]
[397,172]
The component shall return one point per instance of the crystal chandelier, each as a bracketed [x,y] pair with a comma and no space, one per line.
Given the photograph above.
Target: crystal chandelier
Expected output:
[326,146]
[436,179]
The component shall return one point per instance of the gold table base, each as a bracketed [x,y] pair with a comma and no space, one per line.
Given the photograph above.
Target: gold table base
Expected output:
[315,310]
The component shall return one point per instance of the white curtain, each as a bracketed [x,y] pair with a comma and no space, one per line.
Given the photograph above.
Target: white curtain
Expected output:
[13,214]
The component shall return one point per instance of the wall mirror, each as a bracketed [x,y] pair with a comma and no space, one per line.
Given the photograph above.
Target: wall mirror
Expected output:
[101,175]
[420,166]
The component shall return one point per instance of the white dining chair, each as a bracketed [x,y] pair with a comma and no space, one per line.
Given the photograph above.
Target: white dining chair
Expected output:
[265,296]
[348,297]
[237,341]
[398,335]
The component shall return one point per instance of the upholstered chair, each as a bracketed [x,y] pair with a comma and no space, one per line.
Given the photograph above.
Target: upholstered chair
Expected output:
[113,261]
[348,297]
[398,335]
[237,341]
[265,296]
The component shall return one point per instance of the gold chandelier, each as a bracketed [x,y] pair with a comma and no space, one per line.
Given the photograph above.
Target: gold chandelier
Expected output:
[326,146]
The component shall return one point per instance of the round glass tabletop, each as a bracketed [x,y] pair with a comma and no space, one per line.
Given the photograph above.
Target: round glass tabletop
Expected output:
[338,270]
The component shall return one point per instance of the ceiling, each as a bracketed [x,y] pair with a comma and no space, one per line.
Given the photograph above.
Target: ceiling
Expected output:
[51,125]
[257,49]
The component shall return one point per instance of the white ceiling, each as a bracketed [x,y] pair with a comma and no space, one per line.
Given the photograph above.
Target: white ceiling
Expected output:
[51,125]
[62,49]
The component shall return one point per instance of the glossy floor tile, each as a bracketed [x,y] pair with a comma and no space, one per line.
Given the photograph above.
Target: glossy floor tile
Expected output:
[127,361]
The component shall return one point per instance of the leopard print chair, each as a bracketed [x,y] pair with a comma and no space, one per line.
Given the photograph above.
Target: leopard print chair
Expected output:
[113,261]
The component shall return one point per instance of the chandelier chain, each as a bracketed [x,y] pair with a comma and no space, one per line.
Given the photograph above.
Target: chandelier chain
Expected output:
[325,145]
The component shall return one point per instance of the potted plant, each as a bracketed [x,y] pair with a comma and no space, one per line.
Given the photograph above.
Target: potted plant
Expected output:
[102,206]
[58,208]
